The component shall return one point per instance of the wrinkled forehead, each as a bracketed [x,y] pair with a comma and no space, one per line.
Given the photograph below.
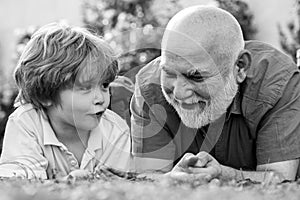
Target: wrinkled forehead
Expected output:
[199,61]
[180,50]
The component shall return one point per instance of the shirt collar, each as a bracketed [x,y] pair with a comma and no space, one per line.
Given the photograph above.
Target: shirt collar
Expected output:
[95,141]
[235,107]
[49,135]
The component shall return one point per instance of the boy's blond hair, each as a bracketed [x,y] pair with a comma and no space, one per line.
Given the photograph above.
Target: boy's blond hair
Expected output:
[58,57]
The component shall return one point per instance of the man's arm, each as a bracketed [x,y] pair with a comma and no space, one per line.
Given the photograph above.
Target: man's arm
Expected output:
[205,167]
[279,171]
[152,146]
[277,142]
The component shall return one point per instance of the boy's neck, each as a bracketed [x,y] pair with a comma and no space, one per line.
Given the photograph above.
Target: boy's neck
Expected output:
[75,136]
[68,134]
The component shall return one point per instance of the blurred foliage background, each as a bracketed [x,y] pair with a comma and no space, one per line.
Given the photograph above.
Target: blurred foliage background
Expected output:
[290,39]
[134,29]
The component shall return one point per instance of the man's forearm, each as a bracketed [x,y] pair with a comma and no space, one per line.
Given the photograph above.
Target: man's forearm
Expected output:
[229,173]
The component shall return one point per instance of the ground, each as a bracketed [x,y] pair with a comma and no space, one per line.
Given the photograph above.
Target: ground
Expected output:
[144,189]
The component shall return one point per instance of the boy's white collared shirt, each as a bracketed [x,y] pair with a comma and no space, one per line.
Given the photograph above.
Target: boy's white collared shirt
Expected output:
[31,148]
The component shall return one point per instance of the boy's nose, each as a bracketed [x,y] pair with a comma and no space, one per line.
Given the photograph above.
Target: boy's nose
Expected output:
[98,97]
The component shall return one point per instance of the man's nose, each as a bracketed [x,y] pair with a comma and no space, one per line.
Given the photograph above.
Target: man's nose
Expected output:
[182,89]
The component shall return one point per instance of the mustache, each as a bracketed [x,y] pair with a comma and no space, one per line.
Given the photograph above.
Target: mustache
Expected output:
[193,100]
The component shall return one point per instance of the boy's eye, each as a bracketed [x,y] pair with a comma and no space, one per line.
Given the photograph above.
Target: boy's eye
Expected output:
[85,88]
[105,85]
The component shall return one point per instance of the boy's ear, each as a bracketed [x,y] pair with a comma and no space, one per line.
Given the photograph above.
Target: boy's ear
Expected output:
[47,103]
[243,63]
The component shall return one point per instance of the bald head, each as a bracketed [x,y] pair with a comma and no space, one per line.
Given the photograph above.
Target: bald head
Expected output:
[204,30]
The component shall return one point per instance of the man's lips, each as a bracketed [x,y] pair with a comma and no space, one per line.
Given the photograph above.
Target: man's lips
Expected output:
[192,106]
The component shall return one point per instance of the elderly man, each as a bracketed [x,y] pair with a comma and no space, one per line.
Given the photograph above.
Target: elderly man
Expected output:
[215,106]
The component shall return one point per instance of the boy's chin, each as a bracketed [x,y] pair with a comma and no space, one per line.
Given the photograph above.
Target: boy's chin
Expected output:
[88,126]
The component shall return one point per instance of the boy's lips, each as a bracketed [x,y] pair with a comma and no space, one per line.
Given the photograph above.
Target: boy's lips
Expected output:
[97,114]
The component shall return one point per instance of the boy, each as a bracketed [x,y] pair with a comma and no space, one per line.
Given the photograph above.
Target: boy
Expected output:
[62,125]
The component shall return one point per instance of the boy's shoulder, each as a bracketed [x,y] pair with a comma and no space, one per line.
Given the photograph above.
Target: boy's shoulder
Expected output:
[24,111]
[28,117]
[27,120]
[113,120]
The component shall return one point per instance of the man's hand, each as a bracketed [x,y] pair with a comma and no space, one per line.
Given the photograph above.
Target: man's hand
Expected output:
[204,167]
[201,167]
[208,165]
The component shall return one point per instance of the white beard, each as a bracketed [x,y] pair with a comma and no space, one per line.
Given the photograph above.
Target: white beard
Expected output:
[200,117]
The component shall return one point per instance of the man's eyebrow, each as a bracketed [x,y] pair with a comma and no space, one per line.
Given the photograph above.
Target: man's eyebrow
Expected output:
[170,71]
[164,68]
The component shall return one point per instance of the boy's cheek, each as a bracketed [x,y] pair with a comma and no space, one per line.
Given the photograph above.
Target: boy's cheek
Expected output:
[108,102]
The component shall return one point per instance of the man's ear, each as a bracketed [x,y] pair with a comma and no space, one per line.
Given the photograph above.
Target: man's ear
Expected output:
[243,63]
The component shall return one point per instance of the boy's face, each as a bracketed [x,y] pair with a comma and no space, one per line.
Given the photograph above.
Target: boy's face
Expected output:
[80,107]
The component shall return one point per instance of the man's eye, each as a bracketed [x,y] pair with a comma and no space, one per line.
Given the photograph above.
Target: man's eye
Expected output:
[195,76]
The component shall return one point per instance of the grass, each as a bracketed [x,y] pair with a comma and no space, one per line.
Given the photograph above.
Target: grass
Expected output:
[142,189]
